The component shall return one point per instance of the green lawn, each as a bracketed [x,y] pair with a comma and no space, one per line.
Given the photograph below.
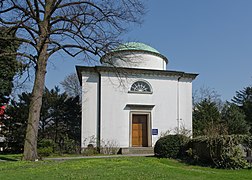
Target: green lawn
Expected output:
[115,168]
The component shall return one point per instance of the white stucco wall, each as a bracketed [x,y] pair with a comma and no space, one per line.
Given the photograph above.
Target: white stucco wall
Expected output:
[89,108]
[185,104]
[115,122]
[138,60]
[172,100]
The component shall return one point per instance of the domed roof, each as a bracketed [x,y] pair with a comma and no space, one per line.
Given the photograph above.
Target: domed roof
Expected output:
[133,47]
[136,46]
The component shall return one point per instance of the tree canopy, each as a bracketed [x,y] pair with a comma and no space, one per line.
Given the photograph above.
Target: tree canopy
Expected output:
[8,64]
[59,121]
[74,27]
[212,117]
[206,116]
[243,99]
[72,85]
[234,119]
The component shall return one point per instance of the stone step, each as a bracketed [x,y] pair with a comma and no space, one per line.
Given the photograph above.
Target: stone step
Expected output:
[136,150]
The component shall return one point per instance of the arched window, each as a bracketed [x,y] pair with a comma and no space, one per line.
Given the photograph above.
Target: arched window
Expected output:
[140,87]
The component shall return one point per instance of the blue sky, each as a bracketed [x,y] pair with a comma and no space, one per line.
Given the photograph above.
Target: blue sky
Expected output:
[209,37]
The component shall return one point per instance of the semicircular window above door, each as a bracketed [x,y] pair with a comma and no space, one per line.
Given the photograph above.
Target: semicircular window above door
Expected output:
[141,87]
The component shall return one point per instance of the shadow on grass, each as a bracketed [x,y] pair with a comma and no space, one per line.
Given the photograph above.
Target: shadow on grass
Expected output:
[10,157]
[186,161]
[7,159]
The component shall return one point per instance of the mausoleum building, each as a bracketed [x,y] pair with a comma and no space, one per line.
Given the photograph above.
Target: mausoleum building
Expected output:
[131,98]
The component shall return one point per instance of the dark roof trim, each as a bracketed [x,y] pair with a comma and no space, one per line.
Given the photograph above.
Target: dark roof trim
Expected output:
[97,69]
[140,106]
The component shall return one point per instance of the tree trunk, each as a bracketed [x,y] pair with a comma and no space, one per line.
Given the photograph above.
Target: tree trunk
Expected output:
[30,146]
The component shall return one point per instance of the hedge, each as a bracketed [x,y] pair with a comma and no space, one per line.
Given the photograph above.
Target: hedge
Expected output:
[223,151]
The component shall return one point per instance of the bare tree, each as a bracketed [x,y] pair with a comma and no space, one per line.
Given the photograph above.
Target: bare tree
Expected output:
[209,94]
[71,85]
[44,27]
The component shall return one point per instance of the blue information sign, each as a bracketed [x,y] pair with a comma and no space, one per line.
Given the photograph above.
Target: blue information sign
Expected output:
[154,131]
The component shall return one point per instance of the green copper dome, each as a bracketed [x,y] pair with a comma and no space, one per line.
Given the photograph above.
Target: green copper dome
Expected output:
[135,46]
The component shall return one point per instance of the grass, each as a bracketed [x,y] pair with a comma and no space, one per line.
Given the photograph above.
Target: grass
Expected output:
[115,168]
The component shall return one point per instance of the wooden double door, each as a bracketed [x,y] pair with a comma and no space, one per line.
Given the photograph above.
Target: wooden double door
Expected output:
[139,130]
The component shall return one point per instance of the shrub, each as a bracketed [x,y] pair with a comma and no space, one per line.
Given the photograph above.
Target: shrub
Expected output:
[226,152]
[68,146]
[171,146]
[45,147]
[90,150]
[109,147]
[45,151]
[106,146]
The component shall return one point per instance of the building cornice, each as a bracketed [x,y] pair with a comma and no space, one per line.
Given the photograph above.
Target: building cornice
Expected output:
[130,71]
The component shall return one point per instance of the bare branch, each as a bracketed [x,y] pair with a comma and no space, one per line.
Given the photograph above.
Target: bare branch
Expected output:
[42,3]
[89,27]
[7,10]
[30,7]
[65,48]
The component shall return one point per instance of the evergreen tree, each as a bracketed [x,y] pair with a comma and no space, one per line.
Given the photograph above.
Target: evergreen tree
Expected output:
[234,118]
[59,121]
[206,118]
[8,64]
[15,124]
[243,99]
